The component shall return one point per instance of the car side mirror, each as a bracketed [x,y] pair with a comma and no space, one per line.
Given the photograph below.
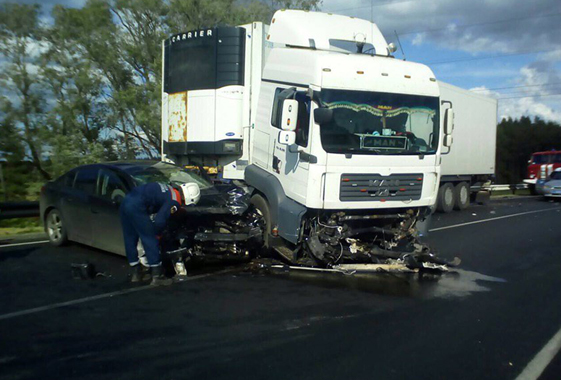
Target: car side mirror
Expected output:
[289,115]
[448,140]
[323,115]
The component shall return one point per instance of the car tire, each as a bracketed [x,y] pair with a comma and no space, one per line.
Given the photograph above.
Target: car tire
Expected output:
[55,228]
[261,204]
[462,195]
[446,198]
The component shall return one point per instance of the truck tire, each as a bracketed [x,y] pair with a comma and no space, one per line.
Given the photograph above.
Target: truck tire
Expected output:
[446,198]
[462,195]
[262,206]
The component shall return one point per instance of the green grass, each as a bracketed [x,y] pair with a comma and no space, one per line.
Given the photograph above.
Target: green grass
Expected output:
[14,227]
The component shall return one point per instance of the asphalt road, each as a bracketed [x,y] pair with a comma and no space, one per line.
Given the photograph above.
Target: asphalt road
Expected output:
[488,321]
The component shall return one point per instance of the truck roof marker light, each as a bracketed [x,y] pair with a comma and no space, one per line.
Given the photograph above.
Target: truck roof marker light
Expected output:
[433,79]
[363,190]
[407,76]
[384,74]
[273,21]
[402,189]
[419,178]
[327,70]
[345,180]
[288,122]
[268,36]
[360,72]
[382,200]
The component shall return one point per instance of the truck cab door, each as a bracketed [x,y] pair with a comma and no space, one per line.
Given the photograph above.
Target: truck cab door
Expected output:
[291,161]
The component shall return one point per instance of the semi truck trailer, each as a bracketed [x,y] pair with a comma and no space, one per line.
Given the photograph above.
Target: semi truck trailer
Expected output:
[338,144]
[469,166]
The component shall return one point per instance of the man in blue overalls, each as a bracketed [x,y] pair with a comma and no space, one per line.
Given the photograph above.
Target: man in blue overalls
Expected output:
[153,198]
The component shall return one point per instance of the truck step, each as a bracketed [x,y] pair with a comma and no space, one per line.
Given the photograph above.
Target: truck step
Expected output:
[285,252]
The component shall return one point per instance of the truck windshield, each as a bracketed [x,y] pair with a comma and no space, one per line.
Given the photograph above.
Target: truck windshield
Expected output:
[380,123]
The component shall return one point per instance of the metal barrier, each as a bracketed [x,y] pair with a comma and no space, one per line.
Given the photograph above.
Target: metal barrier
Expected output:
[13,210]
[520,186]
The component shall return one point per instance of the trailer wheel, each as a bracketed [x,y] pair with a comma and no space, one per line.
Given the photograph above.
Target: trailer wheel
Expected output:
[462,195]
[262,206]
[446,198]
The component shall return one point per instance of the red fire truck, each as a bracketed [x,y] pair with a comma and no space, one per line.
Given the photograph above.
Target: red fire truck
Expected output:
[541,165]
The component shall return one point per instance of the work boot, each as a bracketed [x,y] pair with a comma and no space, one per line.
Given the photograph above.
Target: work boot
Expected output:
[158,277]
[139,273]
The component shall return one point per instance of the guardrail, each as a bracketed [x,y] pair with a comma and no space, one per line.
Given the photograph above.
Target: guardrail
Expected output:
[13,210]
[520,186]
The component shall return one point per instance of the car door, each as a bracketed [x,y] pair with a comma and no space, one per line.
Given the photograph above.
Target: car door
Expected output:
[77,208]
[106,223]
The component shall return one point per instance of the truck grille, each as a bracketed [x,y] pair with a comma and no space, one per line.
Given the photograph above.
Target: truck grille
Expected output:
[376,187]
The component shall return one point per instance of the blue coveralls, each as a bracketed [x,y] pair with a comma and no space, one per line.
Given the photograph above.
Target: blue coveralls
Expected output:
[138,205]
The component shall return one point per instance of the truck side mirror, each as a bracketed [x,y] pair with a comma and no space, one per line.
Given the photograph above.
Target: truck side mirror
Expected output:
[448,121]
[323,115]
[289,115]
[448,139]
[287,137]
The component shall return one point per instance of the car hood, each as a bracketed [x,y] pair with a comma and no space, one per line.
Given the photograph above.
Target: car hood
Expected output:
[221,199]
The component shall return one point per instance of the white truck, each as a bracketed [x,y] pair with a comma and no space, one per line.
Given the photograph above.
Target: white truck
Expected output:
[470,164]
[339,143]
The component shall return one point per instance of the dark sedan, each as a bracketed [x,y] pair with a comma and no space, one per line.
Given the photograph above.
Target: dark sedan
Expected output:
[83,204]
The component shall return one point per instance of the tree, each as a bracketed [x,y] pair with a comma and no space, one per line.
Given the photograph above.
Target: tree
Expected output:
[23,102]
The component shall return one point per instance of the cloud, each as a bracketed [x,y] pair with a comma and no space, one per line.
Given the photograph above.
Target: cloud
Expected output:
[513,26]
[517,107]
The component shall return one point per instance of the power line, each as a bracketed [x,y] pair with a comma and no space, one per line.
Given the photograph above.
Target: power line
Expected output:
[482,23]
[528,85]
[532,96]
[490,57]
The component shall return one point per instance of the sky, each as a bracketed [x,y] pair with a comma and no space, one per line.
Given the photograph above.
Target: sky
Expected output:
[507,49]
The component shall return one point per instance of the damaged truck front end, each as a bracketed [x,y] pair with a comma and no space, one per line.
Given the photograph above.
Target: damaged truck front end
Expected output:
[391,241]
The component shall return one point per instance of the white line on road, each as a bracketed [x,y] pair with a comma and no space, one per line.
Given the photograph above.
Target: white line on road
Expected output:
[27,243]
[99,296]
[492,219]
[540,362]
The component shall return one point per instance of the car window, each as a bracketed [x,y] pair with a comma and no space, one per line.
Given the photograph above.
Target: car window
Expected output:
[110,186]
[167,173]
[86,179]
[555,175]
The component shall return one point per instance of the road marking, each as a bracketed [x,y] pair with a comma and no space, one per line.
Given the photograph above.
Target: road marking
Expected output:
[542,359]
[28,243]
[492,219]
[101,296]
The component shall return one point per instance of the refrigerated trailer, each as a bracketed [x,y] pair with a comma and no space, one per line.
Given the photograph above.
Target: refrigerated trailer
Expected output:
[469,165]
[338,143]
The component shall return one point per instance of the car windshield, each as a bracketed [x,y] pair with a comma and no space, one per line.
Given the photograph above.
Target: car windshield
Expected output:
[380,123]
[167,173]
[540,158]
[555,175]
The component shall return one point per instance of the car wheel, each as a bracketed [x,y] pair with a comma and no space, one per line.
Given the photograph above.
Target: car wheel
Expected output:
[462,194]
[262,207]
[56,231]
[446,198]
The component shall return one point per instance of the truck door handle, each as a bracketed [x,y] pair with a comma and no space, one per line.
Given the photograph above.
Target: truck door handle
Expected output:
[306,157]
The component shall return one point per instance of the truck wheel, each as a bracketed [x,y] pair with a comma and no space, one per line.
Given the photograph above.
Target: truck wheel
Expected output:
[462,193]
[262,206]
[446,198]
[54,226]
